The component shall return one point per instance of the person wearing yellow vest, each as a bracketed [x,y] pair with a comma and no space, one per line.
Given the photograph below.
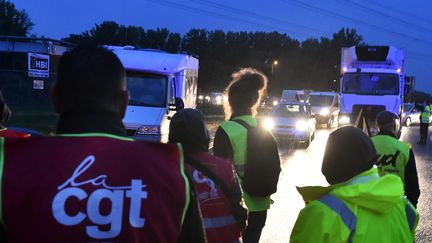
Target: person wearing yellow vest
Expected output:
[424,123]
[359,205]
[245,93]
[394,156]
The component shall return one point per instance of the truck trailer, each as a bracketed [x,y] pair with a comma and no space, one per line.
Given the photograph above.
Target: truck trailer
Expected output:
[372,80]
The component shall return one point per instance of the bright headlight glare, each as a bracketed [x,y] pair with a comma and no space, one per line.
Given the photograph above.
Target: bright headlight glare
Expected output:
[268,124]
[302,125]
[324,111]
[275,103]
[149,129]
[344,120]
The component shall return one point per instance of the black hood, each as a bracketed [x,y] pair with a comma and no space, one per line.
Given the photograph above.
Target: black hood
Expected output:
[188,127]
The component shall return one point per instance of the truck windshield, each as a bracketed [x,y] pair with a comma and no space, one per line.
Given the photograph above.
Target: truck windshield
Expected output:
[321,100]
[147,89]
[370,83]
[290,111]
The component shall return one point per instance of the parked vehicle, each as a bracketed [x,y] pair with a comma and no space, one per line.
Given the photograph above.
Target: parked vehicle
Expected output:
[159,84]
[292,121]
[325,106]
[411,114]
[372,80]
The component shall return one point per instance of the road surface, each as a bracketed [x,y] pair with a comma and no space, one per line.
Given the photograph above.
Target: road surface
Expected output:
[303,167]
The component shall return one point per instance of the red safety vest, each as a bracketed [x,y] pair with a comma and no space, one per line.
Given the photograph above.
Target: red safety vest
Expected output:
[8,133]
[95,188]
[220,225]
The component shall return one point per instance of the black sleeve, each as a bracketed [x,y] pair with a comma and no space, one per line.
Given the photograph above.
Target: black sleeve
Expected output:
[192,229]
[412,189]
[222,145]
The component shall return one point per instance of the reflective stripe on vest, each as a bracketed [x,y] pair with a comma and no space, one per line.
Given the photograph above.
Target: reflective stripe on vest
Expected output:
[339,207]
[425,117]
[410,214]
[218,222]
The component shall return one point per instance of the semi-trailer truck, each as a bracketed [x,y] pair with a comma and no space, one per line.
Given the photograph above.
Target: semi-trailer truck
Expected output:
[372,80]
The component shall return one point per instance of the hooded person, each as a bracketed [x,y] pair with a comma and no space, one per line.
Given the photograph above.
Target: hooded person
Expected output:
[359,205]
[213,178]
[394,156]
[5,114]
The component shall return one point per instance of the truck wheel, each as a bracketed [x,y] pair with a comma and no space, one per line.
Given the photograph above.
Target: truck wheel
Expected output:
[330,123]
[408,121]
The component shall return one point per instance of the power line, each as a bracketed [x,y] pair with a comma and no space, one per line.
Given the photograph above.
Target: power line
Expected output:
[256,16]
[222,16]
[386,7]
[383,14]
[340,16]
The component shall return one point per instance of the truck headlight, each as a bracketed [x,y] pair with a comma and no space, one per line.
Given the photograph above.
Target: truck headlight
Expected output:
[268,124]
[324,111]
[344,120]
[149,129]
[302,125]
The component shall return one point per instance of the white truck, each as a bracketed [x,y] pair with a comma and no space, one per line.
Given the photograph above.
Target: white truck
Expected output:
[159,84]
[372,80]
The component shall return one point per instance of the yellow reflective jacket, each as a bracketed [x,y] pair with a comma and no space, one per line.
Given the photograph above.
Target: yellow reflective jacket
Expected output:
[367,208]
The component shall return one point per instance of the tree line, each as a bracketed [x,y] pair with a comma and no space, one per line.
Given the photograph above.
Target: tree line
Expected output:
[313,63]
[310,64]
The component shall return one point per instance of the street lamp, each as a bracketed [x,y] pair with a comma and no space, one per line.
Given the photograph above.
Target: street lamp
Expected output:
[274,64]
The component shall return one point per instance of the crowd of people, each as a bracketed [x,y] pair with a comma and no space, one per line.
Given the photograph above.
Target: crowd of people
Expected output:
[91,183]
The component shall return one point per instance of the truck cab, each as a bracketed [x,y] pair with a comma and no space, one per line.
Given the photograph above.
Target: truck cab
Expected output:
[372,80]
[159,84]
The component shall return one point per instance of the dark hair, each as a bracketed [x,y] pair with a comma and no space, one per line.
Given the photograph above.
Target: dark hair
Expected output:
[90,77]
[245,92]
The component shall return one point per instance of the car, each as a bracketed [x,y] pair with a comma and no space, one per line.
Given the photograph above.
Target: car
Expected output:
[325,106]
[411,114]
[292,121]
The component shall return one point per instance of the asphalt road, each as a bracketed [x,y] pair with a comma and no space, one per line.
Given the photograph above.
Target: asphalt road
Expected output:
[303,167]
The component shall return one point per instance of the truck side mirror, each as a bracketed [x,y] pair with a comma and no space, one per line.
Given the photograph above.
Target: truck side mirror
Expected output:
[178,105]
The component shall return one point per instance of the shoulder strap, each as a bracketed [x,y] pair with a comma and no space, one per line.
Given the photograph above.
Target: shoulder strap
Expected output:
[207,172]
[243,123]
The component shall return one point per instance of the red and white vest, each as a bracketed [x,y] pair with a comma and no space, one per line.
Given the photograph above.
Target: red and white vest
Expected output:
[98,188]
[220,225]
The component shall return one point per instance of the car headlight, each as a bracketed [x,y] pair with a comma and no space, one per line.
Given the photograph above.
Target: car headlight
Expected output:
[149,129]
[302,125]
[403,114]
[275,103]
[268,124]
[344,120]
[324,111]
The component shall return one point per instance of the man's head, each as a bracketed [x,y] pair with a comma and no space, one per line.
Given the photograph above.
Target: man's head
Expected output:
[90,78]
[348,153]
[188,127]
[387,121]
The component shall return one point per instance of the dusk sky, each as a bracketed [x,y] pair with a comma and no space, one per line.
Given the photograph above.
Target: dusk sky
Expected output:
[405,24]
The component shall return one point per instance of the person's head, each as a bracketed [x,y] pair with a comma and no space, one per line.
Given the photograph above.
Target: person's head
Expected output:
[387,121]
[188,127]
[245,92]
[348,153]
[5,111]
[90,78]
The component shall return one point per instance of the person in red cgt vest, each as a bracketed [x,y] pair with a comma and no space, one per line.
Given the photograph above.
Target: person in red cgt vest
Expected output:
[91,183]
[5,114]
[213,177]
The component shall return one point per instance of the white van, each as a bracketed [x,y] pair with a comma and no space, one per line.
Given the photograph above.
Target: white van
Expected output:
[325,106]
[159,84]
